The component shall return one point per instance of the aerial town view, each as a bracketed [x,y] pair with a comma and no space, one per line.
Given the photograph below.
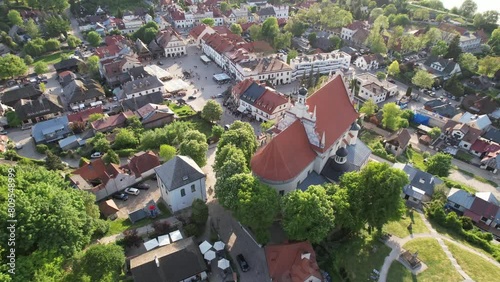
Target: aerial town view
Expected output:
[249,140]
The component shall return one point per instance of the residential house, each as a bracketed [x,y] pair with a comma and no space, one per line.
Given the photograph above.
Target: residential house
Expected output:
[348,31]
[66,77]
[480,105]
[43,108]
[484,214]
[469,41]
[70,64]
[359,38]
[461,134]
[199,31]
[142,86]
[71,142]
[137,102]
[323,63]
[265,69]
[155,115]
[168,43]
[263,103]
[142,50]
[116,45]
[369,62]
[292,262]
[493,135]
[483,147]
[441,68]
[83,116]
[238,15]
[441,108]
[174,262]
[11,97]
[481,122]
[372,88]
[131,23]
[266,12]
[50,130]
[398,142]
[179,18]
[306,147]
[301,44]
[421,186]
[459,200]
[281,12]
[491,161]
[79,94]
[109,209]
[108,123]
[115,69]
[181,181]
[142,165]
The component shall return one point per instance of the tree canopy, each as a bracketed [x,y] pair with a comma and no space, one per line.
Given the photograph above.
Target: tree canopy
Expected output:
[101,262]
[439,164]
[488,65]
[241,135]
[391,116]
[468,61]
[195,146]
[423,79]
[15,17]
[369,107]
[393,68]
[208,21]
[12,66]
[236,28]
[94,38]
[167,152]
[212,111]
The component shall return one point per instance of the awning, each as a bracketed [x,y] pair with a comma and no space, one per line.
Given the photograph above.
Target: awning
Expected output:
[242,109]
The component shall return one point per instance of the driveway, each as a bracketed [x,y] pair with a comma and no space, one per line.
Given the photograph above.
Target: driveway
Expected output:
[138,202]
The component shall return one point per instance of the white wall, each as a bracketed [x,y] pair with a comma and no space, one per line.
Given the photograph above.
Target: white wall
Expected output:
[177,202]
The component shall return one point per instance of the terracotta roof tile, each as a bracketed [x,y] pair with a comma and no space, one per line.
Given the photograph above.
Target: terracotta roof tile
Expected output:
[83,116]
[269,101]
[142,162]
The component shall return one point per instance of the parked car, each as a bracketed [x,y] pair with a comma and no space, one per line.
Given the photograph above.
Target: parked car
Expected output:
[19,146]
[192,97]
[96,155]
[160,63]
[219,95]
[143,186]
[243,263]
[392,81]
[120,196]
[132,191]
[3,132]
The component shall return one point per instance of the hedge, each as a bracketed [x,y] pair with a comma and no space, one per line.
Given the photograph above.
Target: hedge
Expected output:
[126,152]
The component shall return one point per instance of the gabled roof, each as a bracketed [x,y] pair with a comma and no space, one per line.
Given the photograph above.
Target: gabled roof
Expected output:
[488,197]
[269,101]
[142,162]
[252,93]
[292,262]
[179,171]
[138,102]
[111,121]
[40,129]
[266,11]
[447,64]
[493,135]
[97,170]
[67,64]
[461,197]
[480,122]
[83,116]
[78,91]
[485,146]
[44,105]
[481,208]
[11,97]
[479,104]
[356,25]
[419,179]
[141,84]
[108,207]
[400,138]
[198,30]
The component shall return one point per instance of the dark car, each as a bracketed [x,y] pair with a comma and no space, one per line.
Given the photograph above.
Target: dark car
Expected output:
[120,196]
[391,81]
[243,263]
[143,186]
[191,97]
[160,63]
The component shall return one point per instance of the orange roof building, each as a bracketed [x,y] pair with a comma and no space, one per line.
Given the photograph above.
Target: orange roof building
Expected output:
[316,141]
[295,262]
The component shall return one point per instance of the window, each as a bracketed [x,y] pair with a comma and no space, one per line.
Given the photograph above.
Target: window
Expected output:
[183,192]
[457,206]
[193,188]
[282,192]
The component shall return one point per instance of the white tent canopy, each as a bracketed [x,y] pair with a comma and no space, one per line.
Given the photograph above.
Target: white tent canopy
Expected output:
[210,255]
[151,244]
[219,246]
[175,236]
[205,246]
[223,264]
[163,240]
[175,85]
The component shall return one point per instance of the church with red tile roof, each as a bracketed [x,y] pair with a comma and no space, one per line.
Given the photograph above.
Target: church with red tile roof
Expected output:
[316,141]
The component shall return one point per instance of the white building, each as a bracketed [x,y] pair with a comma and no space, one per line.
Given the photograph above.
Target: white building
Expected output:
[281,12]
[132,24]
[368,62]
[142,86]
[371,88]
[271,69]
[236,15]
[348,31]
[181,181]
[324,63]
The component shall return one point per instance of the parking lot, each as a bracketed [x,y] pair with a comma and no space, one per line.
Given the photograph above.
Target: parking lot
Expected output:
[137,202]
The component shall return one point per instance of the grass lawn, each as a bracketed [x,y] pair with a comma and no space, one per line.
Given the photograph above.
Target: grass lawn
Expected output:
[121,224]
[53,58]
[416,158]
[464,156]
[475,266]
[200,124]
[181,111]
[429,251]
[370,138]
[357,257]
[399,228]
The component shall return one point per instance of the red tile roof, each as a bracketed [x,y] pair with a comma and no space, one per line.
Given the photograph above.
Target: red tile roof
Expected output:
[222,30]
[285,156]
[197,30]
[239,88]
[269,101]
[356,25]
[97,170]
[289,262]
[246,26]
[451,27]
[83,116]
[481,208]
[142,162]
[112,121]
[107,51]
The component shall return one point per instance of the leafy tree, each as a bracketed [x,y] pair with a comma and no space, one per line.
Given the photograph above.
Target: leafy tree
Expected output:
[12,66]
[230,153]
[454,49]
[94,117]
[125,138]
[31,28]
[292,54]
[391,116]
[408,91]
[236,28]
[15,18]
[212,111]
[421,14]
[468,8]
[308,215]
[100,143]
[111,157]
[439,164]
[432,36]
[52,45]
[73,41]
[94,38]
[55,26]
[440,48]
[199,212]
[270,29]
[381,75]
[227,188]
[295,26]
[401,20]
[434,133]
[53,162]
[375,13]
[282,40]
[35,47]
[54,5]
[242,135]
[195,146]
[454,86]
[224,7]
[335,42]
[393,68]
[264,126]
[147,32]
[208,21]
[423,79]
[440,18]
[101,262]
[217,131]
[312,37]
[41,68]
[167,152]
[369,107]
[255,32]
[175,133]
[487,66]
[390,10]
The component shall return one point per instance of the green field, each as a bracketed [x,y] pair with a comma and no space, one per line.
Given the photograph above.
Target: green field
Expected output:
[53,58]
[399,228]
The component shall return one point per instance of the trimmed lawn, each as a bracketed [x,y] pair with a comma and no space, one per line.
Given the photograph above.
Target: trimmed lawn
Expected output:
[53,58]
[475,266]
[429,251]
[200,124]
[399,228]
[121,224]
[369,138]
[416,158]
[181,111]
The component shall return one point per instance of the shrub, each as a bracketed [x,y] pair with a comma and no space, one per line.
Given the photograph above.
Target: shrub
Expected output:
[466,223]
[125,152]
[199,212]
[42,148]
[12,155]
[192,230]
[131,238]
[101,228]
[161,228]
[83,161]
[453,222]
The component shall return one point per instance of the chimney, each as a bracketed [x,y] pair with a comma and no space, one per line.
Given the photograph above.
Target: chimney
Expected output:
[157,261]
[422,180]
[305,255]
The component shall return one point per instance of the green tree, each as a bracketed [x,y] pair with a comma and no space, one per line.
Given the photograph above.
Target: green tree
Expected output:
[408,91]
[94,38]
[292,54]
[390,10]
[295,26]
[12,66]
[125,138]
[401,20]
[195,146]
[167,152]
[270,29]
[90,67]
[468,8]
[369,107]
[101,262]
[282,40]
[266,125]
[227,188]
[439,164]
[312,37]
[53,162]
[432,36]
[434,133]
[308,215]
[375,13]
[199,212]
[41,68]
[454,49]
[100,143]
[494,41]
[15,18]
[233,154]
[111,157]
[393,69]
[35,47]
[335,42]
[255,32]
[208,21]
[242,135]
[236,28]
[28,60]
[440,18]
[52,45]
[212,111]
[421,14]
[381,75]
[55,26]
[487,66]
[217,131]
[440,48]
[54,5]
[423,79]
[94,117]
[73,41]
[454,86]
[224,7]
[31,28]
[146,32]
[175,132]
[391,116]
